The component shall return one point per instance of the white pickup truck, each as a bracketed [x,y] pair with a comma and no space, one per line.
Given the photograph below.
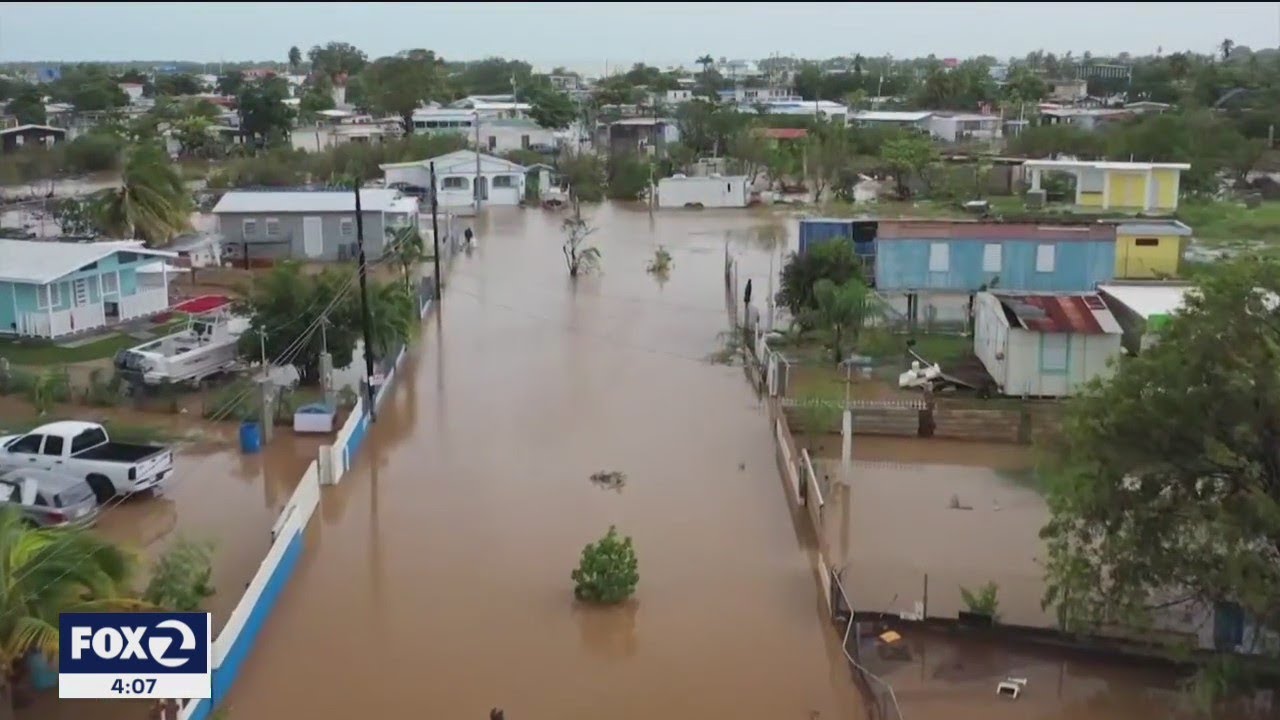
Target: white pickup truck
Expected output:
[83,450]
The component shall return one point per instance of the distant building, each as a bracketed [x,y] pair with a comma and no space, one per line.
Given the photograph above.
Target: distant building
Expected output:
[1068,91]
[917,119]
[24,136]
[1118,185]
[133,91]
[959,127]
[461,176]
[499,135]
[339,127]
[826,109]
[645,136]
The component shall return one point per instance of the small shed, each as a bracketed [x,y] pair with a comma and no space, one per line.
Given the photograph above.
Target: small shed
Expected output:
[1143,308]
[14,138]
[1149,249]
[713,191]
[1044,345]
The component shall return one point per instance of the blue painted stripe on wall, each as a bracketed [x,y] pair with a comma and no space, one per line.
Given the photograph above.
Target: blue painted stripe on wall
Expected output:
[225,674]
[357,437]
[202,710]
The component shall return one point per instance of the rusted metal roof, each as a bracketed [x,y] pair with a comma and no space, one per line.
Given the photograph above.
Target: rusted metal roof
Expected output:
[993,231]
[1079,314]
[785,133]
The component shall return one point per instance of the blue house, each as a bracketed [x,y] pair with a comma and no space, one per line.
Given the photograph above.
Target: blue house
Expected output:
[51,289]
[960,257]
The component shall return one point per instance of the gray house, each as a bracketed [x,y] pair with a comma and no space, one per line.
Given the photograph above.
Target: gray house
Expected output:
[316,225]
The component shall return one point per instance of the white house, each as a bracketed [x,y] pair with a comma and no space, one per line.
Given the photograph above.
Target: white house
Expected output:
[955,127]
[500,135]
[917,119]
[713,191]
[461,175]
[1044,345]
[133,91]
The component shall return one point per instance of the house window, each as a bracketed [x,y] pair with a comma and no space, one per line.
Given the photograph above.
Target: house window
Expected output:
[48,296]
[110,283]
[455,183]
[249,228]
[503,181]
[493,142]
[1054,348]
[1044,258]
[347,226]
[524,141]
[939,257]
[123,258]
[992,257]
[1147,242]
[273,227]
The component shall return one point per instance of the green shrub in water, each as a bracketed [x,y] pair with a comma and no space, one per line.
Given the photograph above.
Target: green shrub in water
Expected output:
[608,571]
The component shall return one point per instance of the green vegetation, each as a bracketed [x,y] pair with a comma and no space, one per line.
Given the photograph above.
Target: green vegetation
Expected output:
[983,600]
[38,352]
[1217,221]
[608,571]
[579,258]
[182,578]
[1167,489]
[152,203]
[834,261]
[841,309]
[661,263]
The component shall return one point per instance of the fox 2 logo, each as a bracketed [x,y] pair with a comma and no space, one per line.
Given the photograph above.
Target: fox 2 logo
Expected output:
[134,643]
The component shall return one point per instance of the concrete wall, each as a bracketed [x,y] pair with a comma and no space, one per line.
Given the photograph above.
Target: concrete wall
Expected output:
[289,242]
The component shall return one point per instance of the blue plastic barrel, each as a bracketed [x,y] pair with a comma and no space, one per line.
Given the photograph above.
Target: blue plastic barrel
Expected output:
[250,437]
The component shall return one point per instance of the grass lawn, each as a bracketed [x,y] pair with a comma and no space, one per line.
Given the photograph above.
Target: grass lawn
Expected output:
[36,352]
[814,374]
[1218,222]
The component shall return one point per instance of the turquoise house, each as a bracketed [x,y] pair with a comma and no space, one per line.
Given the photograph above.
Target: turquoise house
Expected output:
[51,289]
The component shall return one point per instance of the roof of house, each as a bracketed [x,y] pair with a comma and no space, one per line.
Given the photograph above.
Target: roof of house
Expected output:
[992,231]
[509,122]
[1153,227]
[1079,314]
[968,117]
[42,261]
[643,121]
[892,115]
[466,158]
[1103,165]
[1148,300]
[786,133]
[29,127]
[302,201]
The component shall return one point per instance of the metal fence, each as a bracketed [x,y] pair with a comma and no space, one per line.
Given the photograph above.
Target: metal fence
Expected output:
[884,701]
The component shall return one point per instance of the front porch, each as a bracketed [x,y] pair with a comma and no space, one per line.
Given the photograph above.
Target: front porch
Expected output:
[85,316]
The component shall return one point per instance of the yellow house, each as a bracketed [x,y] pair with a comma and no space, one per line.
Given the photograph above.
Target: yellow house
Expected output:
[1150,249]
[1149,187]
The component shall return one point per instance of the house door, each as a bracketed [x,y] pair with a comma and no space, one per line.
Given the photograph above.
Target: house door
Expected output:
[482,188]
[80,291]
[312,237]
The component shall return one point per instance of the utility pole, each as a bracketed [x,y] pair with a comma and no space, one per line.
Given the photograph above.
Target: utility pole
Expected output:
[476,189]
[366,320]
[435,228]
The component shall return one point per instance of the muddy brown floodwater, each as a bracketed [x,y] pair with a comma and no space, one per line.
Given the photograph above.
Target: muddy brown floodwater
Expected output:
[436,583]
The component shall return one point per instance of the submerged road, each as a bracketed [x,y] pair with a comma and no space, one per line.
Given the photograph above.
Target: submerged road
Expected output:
[436,582]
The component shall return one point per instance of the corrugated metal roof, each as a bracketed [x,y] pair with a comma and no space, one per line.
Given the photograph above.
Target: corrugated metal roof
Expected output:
[1077,314]
[1149,299]
[40,262]
[892,115]
[983,231]
[300,201]
[785,133]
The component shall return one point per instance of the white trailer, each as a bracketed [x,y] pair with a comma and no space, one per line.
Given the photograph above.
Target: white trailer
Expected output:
[713,191]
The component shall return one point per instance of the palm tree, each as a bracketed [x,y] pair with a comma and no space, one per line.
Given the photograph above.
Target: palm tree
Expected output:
[407,250]
[706,61]
[1226,47]
[45,572]
[393,315]
[842,308]
[152,203]
[295,58]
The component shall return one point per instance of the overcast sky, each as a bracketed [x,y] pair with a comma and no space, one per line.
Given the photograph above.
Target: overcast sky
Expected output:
[587,35]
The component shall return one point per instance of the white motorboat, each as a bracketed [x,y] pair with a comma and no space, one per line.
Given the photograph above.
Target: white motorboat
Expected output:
[206,347]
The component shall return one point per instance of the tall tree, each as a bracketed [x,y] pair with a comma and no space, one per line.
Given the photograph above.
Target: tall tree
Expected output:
[552,109]
[399,85]
[908,155]
[152,203]
[264,118]
[295,58]
[1225,47]
[706,61]
[231,83]
[27,105]
[1170,487]
[46,572]
[337,58]
[843,310]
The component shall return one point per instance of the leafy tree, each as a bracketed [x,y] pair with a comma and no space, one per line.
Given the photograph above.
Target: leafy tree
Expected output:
[1025,85]
[1044,141]
[706,128]
[231,84]
[317,95]
[89,88]
[830,149]
[1168,489]
[751,150]
[152,203]
[841,309]
[287,301]
[264,118]
[401,84]
[628,176]
[907,155]
[295,58]
[177,84]
[94,152]
[407,250]
[579,258]
[585,176]
[706,61]
[27,105]
[47,572]
[182,577]
[608,571]
[552,109]
[336,59]
[192,133]
[491,76]
[76,217]
[834,261]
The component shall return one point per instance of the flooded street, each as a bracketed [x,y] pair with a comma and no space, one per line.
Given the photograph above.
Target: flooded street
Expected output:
[437,580]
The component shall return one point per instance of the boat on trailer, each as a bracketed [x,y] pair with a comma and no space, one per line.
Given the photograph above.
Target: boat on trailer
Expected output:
[206,347]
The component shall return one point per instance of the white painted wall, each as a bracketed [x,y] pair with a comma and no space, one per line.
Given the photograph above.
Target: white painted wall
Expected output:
[713,192]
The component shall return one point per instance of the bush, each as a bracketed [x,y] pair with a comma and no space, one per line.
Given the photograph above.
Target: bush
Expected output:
[15,381]
[94,152]
[983,601]
[628,177]
[608,571]
[181,578]
[103,392]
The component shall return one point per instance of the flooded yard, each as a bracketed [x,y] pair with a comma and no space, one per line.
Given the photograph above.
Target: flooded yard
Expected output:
[437,581]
